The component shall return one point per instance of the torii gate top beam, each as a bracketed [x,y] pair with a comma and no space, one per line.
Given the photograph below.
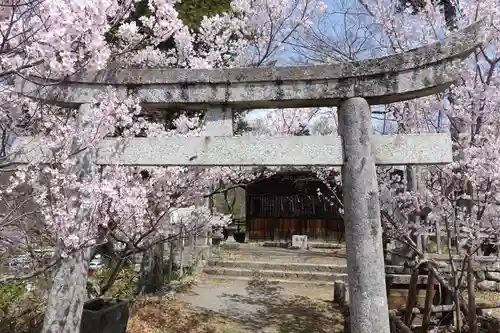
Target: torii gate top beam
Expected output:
[415,73]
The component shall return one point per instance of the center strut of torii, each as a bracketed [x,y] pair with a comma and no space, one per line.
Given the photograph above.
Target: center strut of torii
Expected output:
[352,86]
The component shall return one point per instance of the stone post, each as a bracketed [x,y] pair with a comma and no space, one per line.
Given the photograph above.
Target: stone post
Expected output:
[339,293]
[365,262]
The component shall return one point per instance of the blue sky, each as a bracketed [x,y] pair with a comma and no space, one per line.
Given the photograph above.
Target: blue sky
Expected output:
[259,113]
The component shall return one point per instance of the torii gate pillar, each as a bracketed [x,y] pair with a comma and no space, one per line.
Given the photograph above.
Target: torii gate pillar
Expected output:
[363,229]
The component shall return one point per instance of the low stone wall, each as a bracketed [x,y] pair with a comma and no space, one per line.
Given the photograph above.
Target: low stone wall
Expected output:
[488,277]
[489,324]
[486,271]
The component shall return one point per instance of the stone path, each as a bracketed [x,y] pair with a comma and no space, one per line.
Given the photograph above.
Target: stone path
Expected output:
[259,306]
[262,303]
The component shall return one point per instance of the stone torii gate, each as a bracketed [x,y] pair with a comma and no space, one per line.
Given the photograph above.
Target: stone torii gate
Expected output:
[351,86]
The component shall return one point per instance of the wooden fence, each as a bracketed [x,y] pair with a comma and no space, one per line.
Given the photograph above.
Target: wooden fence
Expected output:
[438,239]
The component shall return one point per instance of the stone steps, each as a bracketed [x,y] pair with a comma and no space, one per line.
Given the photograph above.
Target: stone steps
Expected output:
[259,266]
[311,245]
[326,246]
[302,283]
[298,272]
[298,276]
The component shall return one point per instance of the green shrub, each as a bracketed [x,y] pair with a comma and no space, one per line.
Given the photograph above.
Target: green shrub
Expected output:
[20,311]
[188,271]
[11,294]
[125,284]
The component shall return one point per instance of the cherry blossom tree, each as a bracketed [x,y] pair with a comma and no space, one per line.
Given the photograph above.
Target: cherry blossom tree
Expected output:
[460,195]
[76,211]
[78,206]
[463,193]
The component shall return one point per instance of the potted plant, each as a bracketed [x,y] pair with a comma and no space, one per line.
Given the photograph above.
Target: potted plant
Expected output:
[105,315]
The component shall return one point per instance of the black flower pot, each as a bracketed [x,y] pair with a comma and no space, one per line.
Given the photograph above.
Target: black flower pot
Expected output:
[239,236]
[105,315]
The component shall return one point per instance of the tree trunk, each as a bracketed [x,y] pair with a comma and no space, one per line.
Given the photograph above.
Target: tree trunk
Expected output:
[69,281]
[412,297]
[472,317]
[429,295]
[67,294]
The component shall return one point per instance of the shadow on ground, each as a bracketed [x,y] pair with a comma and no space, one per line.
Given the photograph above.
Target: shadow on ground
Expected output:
[277,312]
[162,316]
[255,306]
